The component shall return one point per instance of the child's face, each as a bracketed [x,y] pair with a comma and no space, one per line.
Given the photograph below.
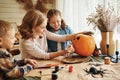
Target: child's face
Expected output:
[9,39]
[41,28]
[55,22]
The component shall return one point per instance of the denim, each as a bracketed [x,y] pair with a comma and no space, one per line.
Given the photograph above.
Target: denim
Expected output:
[52,45]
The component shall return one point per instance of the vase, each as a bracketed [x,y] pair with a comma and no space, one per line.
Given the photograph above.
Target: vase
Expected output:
[103,44]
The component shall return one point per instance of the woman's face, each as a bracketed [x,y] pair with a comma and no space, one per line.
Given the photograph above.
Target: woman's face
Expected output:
[41,28]
[9,39]
[55,22]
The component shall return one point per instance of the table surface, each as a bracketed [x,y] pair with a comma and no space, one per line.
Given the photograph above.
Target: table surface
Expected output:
[112,71]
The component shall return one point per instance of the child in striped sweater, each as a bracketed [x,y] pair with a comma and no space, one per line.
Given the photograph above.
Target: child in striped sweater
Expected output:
[9,67]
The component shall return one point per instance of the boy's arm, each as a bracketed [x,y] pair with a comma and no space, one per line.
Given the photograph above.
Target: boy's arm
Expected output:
[17,71]
[20,62]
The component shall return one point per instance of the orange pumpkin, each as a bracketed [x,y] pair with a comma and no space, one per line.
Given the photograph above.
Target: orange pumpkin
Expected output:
[84,45]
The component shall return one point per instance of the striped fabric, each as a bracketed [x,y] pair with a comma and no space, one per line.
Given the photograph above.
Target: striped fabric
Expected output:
[11,68]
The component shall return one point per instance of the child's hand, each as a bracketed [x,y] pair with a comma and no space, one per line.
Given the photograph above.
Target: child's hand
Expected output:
[69,49]
[32,62]
[85,33]
[88,33]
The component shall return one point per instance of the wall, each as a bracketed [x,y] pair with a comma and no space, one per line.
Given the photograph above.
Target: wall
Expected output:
[12,11]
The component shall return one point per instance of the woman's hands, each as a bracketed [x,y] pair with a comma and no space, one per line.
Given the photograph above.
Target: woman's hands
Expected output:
[69,49]
[31,62]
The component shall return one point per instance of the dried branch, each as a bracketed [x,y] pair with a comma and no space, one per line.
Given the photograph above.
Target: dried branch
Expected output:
[104,18]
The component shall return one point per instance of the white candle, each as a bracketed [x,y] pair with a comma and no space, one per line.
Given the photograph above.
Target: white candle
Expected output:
[107,37]
[116,45]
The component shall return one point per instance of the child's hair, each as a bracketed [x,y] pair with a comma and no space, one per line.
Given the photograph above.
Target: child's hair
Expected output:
[4,27]
[32,19]
[53,12]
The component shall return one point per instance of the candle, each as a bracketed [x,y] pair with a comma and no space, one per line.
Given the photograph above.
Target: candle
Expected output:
[107,37]
[107,60]
[116,45]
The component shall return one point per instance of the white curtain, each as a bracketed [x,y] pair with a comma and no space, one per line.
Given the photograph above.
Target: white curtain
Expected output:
[75,12]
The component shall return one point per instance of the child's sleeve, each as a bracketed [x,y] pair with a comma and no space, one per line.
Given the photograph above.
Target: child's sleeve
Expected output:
[17,71]
[20,62]
[13,69]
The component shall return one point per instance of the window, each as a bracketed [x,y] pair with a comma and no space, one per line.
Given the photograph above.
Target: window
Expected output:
[75,12]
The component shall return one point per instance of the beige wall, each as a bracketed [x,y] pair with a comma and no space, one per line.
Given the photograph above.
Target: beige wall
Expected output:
[11,11]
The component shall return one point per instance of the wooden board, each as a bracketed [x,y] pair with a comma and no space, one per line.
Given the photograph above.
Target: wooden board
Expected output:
[75,58]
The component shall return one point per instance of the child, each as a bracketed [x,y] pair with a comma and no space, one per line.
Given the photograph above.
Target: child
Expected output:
[57,25]
[9,67]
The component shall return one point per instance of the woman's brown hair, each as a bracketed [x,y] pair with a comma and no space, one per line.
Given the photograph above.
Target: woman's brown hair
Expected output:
[53,12]
[32,19]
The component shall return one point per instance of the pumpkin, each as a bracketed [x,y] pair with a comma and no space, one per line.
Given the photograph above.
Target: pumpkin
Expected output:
[84,45]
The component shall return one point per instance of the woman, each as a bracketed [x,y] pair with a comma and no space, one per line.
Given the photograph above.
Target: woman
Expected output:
[34,37]
[57,25]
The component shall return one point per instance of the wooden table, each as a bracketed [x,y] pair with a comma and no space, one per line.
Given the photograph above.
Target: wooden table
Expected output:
[112,71]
